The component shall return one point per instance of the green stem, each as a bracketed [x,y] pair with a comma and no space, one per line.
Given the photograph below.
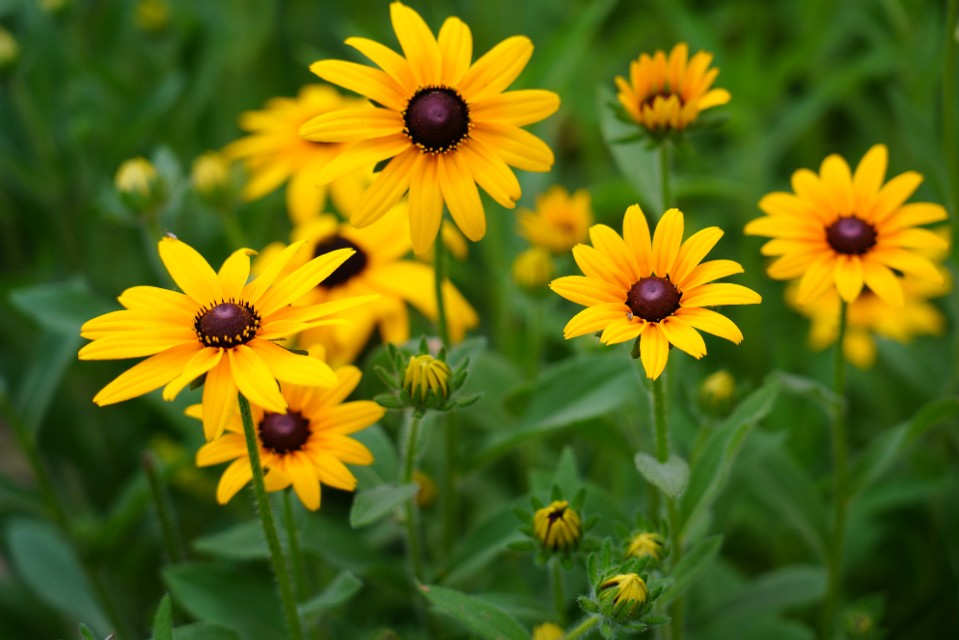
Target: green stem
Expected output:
[412,535]
[296,556]
[661,431]
[439,270]
[949,137]
[664,174]
[269,526]
[231,226]
[582,628]
[450,464]
[171,536]
[559,598]
[840,472]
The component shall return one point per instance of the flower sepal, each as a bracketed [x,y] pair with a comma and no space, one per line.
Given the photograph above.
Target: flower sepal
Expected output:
[423,382]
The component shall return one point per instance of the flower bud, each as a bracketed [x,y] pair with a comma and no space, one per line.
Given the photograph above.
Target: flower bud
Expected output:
[211,175]
[424,375]
[557,526]
[152,15]
[9,49]
[646,544]
[548,631]
[533,269]
[426,495]
[717,389]
[136,177]
[622,596]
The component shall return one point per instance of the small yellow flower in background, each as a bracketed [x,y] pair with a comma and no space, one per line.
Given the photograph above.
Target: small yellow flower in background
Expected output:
[220,326]
[557,526]
[425,374]
[668,93]
[455,242]
[846,231]
[548,631]
[646,544]
[377,266]
[560,221]
[136,177]
[655,290]
[275,153]
[152,15]
[306,446]
[445,124]
[53,6]
[426,495]
[718,388]
[210,174]
[9,49]
[624,594]
[533,268]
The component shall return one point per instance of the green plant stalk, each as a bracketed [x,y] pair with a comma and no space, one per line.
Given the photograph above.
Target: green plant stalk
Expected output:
[269,526]
[171,534]
[296,555]
[664,161]
[559,598]
[582,628]
[448,502]
[439,272]
[949,137]
[840,478]
[412,531]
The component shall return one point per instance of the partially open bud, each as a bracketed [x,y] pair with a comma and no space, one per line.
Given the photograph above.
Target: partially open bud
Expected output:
[646,544]
[623,596]
[557,526]
[548,631]
[139,185]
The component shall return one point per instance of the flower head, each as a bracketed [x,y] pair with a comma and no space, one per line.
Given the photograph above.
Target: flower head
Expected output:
[845,230]
[426,375]
[717,389]
[557,526]
[445,124]
[221,327]
[655,290]
[646,544]
[548,631]
[274,153]
[667,94]
[623,595]
[306,446]
[377,266]
[136,177]
[210,174]
[533,269]
[560,220]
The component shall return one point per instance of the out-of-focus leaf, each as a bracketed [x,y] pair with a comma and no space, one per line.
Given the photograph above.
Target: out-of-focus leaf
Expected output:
[204,631]
[670,477]
[376,503]
[696,560]
[60,307]
[341,589]
[85,633]
[479,616]
[163,623]
[481,546]
[636,159]
[385,459]
[239,599]
[52,354]
[244,541]
[771,593]
[48,565]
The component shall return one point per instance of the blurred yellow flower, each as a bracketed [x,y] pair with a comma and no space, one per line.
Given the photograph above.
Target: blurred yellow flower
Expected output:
[210,174]
[306,446]
[655,290]
[444,124]
[9,49]
[668,94]
[560,222]
[136,177]
[274,152]
[533,268]
[718,388]
[845,231]
[152,15]
[646,544]
[548,631]
[557,526]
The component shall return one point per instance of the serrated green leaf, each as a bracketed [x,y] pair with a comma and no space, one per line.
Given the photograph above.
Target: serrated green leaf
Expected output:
[340,590]
[696,560]
[377,503]
[163,622]
[482,618]
[670,477]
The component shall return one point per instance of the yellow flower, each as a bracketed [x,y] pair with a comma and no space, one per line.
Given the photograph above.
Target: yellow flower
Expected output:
[306,446]
[624,594]
[426,494]
[220,326]
[377,266]
[533,268]
[718,388]
[646,544]
[560,221]
[136,177]
[9,49]
[210,174]
[666,94]
[445,125]
[274,152]
[845,230]
[548,631]
[557,526]
[655,290]
[425,374]
[152,15]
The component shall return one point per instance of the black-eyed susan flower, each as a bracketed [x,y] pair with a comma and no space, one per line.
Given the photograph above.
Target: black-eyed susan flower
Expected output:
[445,124]
[557,526]
[656,290]
[548,631]
[644,544]
[560,220]
[274,153]
[845,230]
[221,327]
[306,446]
[377,267]
[533,269]
[666,94]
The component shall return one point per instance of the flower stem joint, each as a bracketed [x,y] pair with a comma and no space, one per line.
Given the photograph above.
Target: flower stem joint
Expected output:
[422,381]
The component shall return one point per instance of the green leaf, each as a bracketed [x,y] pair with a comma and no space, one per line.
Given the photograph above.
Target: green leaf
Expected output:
[85,633]
[772,593]
[53,353]
[884,449]
[670,477]
[241,599]
[343,587]
[244,541]
[482,618]
[478,548]
[638,162]
[696,560]
[711,465]
[204,631]
[48,565]
[60,307]
[163,623]
[376,503]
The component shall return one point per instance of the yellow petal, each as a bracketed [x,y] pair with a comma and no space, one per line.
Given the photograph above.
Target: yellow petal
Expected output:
[709,271]
[362,155]
[201,362]
[220,401]
[144,377]
[718,294]
[304,477]
[587,291]
[388,60]
[893,195]
[869,176]
[517,147]
[234,273]
[596,265]
[157,299]
[491,172]
[347,125]
[418,44]
[711,322]
[497,69]
[461,196]
[230,447]
[372,83]
[609,243]
[683,336]
[653,350]
[882,282]
[636,236]
[255,290]
[294,286]
[351,417]
[233,479]
[516,107]
[848,277]
[331,471]
[837,181]
[456,50]
[594,318]
[386,189]
[426,204]
[666,241]
[190,271]
[622,330]
[255,380]
[292,368]
[693,251]
[819,275]
[130,344]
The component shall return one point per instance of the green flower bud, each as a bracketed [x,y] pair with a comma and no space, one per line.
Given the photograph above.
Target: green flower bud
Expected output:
[622,596]
[557,526]
[646,544]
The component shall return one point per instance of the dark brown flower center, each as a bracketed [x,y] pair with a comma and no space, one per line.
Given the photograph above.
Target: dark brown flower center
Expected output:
[653,298]
[283,433]
[437,119]
[556,514]
[850,235]
[353,266]
[226,324]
